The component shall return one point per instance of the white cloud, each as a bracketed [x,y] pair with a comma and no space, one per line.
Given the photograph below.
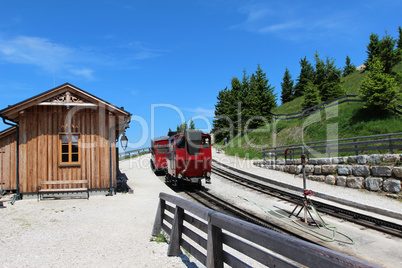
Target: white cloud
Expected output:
[46,55]
[199,111]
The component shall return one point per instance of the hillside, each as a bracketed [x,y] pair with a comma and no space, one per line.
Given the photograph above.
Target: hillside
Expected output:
[343,121]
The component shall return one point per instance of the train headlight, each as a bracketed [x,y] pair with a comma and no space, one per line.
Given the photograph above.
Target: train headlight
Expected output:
[208,174]
[180,176]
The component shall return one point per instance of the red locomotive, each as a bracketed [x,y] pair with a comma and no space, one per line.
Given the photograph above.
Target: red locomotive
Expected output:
[189,158]
[159,148]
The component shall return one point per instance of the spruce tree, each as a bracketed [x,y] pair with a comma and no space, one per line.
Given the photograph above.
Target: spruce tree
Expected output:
[311,96]
[331,88]
[306,75]
[399,41]
[372,49]
[349,67]
[221,124]
[387,54]
[287,87]
[379,89]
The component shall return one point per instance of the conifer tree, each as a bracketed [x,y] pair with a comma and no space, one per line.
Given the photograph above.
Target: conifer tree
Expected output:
[306,75]
[372,49]
[311,96]
[399,41]
[349,67]
[379,89]
[287,87]
[387,54]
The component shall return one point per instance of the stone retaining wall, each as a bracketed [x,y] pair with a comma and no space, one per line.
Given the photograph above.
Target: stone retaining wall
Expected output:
[372,172]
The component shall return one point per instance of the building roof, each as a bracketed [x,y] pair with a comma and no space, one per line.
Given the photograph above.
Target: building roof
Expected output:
[63,95]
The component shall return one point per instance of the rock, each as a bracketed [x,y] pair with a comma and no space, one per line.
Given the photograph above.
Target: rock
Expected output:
[381,171]
[328,169]
[280,162]
[313,161]
[286,168]
[316,178]
[361,159]
[392,185]
[361,170]
[374,159]
[339,160]
[341,181]
[317,170]
[373,184]
[390,158]
[352,159]
[309,168]
[330,179]
[324,161]
[355,182]
[292,169]
[289,162]
[397,171]
[344,170]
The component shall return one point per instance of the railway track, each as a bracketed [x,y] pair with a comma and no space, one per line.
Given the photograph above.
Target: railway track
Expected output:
[255,182]
[213,202]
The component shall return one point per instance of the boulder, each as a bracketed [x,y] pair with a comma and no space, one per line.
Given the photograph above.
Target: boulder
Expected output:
[373,184]
[341,181]
[392,185]
[361,170]
[381,171]
[374,159]
[317,170]
[339,160]
[355,182]
[344,170]
[330,179]
[328,169]
[390,158]
[397,171]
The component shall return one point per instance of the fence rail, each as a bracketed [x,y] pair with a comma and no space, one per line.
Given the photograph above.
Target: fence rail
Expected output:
[131,153]
[389,142]
[220,230]
[317,108]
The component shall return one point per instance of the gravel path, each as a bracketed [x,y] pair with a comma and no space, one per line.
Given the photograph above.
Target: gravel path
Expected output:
[99,232]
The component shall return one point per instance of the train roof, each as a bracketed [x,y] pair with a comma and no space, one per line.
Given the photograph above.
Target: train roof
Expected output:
[160,138]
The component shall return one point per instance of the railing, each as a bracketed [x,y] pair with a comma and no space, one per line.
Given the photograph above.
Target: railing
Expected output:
[132,153]
[252,241]
[389,142]
[317,108]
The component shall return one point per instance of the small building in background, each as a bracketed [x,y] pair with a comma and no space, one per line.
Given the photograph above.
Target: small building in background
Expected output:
[62,134]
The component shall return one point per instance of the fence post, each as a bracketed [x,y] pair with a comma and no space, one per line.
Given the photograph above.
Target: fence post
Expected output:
[175,235]
[390,144]
[356,151]
[214,245]
[159,218]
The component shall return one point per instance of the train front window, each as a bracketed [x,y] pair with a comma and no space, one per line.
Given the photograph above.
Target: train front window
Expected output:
[205,143]
[180,142]
[162,148]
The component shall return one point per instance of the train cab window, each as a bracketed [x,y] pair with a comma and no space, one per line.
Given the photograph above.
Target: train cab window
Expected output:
[161,148]
[180,143]
[205,143]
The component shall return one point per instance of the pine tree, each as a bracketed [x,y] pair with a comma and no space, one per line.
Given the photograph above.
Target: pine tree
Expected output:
[306,75]
[311,96]
[221,124]
[387,54]
[379,89]
[331,88]
[287,87]
[372,49]
[349,67]
[192,125]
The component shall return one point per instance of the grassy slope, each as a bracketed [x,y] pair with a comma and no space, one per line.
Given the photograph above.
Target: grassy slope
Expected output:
[343,121]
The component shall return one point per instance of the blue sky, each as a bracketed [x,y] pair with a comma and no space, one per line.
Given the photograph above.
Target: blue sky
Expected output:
[166,61]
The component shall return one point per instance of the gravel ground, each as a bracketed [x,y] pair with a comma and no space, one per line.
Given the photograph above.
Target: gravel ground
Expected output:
[99,232]
[115,231]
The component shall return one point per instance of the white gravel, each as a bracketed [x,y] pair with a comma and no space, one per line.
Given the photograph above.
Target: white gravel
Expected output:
[99,232]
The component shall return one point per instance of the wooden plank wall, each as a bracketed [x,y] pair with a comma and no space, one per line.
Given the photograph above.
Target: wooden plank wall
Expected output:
[39,146]
[8,161]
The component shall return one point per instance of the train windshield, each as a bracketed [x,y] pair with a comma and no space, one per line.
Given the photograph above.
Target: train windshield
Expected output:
[194,141]
[162,148]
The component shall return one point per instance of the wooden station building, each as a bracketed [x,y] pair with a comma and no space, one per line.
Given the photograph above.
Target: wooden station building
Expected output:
[61,134]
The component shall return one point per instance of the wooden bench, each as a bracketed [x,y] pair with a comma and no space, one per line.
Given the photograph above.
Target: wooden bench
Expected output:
[52,187]
[8,199]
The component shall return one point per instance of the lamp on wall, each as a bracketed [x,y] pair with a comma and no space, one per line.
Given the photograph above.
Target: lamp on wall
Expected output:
[124,142]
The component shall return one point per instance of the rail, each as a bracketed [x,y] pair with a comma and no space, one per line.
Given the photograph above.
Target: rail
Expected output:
[253,241]
[131,153]
[389,142]
[317,108]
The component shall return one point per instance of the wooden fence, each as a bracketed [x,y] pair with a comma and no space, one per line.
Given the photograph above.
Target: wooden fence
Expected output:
[317,108]
[132,153]
[222,231]
[388,142]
